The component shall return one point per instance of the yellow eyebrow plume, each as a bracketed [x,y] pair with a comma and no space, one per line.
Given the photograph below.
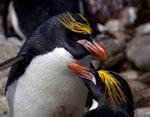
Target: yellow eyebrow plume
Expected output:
[113,87]
[69,22]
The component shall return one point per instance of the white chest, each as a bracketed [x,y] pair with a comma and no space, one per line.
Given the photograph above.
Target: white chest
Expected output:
[47,89]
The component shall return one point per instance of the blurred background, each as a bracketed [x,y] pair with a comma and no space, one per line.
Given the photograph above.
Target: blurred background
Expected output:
[123,28]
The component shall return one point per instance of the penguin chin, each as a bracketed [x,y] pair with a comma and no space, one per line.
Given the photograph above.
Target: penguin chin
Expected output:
[80,52]
[78,57]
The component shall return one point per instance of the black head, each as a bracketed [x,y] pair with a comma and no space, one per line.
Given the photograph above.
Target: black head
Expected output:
[111,91]
[78,36]
[68,30]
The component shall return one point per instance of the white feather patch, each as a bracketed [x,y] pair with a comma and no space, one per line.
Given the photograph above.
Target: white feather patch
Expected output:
[94,105]
[14,21]
[48,88]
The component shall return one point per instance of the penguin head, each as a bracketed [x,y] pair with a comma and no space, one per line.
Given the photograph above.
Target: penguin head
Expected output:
[104,85]
[78,36]
[70,31]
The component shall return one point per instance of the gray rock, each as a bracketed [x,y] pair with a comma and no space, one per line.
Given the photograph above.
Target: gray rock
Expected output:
[114,25]
[130,75]
[122,36]
[102,10]
[138,52]
[3,107]
[2,86]
[7,50]
[116,53]
[142,112]
[141,94]
[143,29]
[128,15]
[145,78]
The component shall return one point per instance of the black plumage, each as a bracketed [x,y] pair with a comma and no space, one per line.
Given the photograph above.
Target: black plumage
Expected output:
[32,13]
[46,38]
[111,91]
[39,70]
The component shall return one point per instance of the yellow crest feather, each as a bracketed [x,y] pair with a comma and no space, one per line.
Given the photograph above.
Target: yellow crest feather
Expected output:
[113,88]
[69,22]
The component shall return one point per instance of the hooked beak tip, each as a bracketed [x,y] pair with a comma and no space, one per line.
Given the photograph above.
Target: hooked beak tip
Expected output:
[82,71]
[95,48]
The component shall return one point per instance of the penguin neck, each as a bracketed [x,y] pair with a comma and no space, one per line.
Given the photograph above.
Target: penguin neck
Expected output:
[95,91]
[61,56]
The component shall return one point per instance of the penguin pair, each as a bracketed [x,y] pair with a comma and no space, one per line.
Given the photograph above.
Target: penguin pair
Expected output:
[22,17]
[111,92]
[39,82]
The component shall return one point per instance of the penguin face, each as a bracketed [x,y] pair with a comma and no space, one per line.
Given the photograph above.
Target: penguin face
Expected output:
[84,72]
[103,83]
[79,41]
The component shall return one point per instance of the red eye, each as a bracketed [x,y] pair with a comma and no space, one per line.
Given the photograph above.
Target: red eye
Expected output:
[74,37]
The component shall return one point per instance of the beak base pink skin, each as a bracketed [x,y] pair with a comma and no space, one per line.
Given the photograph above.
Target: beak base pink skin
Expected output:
[82,71]
[95,49]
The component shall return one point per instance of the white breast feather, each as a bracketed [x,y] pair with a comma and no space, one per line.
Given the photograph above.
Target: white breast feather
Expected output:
[48,88]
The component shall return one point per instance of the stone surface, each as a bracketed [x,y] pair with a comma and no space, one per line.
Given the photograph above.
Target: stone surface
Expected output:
[3,107]
[3,85]
[116,53]
[141,94]
[145,78]
[115,50]
[138,52]
[114,25]
[7,50]
[142,112]
[130,75]
[143,29]
[102,10]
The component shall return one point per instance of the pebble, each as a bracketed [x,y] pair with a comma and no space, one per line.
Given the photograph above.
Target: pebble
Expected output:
[142,112]
[116,53]
[138,52]
[145,78]
[143,29]
[130,75]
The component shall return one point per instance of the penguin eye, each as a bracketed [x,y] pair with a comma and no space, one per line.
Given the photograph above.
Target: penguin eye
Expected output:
[74,37]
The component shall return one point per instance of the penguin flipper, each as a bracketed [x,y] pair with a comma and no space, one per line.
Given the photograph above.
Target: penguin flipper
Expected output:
[8,63]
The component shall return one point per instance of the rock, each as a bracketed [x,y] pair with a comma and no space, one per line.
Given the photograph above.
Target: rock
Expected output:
[102,10]
[126,66]
[138,52]
[128,15]
[15,41]
[116,53]
[101,28]
[143,29]
[145,78]
[114,25]
[118,29]
[7,50]
[142,112]
[122,36]
[130,75]
[141,94]
[2,86]
[3,107]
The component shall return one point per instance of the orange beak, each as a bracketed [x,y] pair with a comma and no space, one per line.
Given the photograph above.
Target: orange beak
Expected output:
[82,71]
[94,48]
